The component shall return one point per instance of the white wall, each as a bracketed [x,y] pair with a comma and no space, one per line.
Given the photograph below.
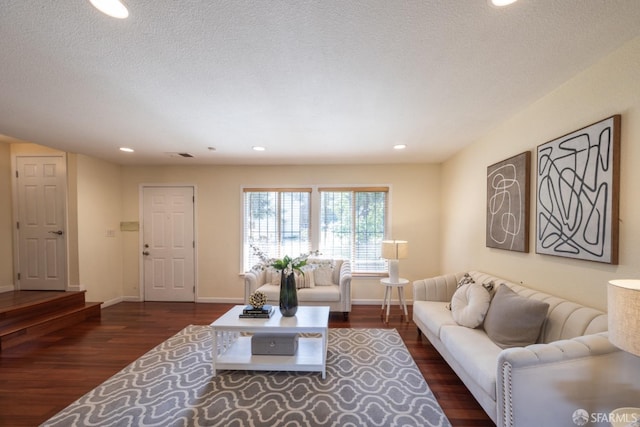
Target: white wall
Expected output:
[607,88]
[415,217]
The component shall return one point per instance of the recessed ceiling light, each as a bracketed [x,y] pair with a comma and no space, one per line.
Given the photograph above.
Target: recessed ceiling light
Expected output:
[501,3]
[400,146]
[126,149]
[258,148]
[113,8]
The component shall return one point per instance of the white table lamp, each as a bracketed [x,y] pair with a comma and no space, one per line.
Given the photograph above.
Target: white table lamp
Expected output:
[623,304]
[393,250]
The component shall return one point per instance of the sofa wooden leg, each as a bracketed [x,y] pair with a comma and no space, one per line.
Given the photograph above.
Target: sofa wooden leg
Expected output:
[345,315]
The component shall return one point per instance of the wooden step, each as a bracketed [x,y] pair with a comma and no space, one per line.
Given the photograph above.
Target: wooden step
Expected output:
[25,315]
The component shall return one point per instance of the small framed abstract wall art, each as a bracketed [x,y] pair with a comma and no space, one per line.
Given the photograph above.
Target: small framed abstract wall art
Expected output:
[578,181]
[508,203]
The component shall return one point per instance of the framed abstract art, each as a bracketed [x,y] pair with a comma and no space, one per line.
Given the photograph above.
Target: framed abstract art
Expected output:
[578,181]
[508,203]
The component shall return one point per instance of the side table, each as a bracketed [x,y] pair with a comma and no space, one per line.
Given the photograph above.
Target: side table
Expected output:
[388,290]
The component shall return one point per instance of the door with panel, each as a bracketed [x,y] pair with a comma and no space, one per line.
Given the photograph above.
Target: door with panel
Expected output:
[168,252]
[41,222]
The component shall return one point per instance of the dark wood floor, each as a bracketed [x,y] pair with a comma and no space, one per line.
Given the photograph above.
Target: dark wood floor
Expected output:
[39,379]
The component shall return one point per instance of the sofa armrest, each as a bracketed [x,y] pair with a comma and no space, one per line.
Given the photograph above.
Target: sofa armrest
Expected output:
[252,279]
[544,384]
[345,285]
[439,288]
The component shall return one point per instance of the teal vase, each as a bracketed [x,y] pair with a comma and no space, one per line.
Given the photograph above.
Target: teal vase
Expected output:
[288,295]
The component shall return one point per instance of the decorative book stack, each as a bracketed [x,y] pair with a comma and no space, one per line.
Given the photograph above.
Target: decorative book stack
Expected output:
[251,312]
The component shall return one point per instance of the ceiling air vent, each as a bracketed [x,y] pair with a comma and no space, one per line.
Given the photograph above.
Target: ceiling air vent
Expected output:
[180,154]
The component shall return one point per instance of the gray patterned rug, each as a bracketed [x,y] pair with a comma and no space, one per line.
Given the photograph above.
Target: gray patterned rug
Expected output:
[371,381]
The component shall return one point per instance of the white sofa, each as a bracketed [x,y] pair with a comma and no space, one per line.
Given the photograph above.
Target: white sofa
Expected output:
[572,366]
[336,295]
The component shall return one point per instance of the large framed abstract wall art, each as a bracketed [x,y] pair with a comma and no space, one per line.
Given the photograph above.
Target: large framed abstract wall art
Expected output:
[578,179]
[508,203]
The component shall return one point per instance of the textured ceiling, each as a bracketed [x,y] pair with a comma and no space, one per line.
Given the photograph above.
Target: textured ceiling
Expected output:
[313,81]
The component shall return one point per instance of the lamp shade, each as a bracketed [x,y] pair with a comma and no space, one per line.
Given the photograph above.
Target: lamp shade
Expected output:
[623,304]
[394,249]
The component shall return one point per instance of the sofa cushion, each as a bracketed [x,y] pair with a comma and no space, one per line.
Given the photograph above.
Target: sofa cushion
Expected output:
[475,353]
[565,319]
[319,294]
[513,320]
[325,293]
[469,304]
[433,314]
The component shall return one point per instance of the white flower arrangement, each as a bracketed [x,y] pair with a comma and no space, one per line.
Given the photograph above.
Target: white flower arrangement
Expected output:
[286,265]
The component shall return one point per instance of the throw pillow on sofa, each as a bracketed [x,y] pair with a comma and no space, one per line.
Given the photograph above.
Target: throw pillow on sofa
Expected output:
[273,276]
[469,305]
[513,320]
[305,278]
[323,275]
[463,281]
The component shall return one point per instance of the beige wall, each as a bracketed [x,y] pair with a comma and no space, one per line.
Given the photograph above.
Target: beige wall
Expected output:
[6,221]
[439,209]
[607,88]
[415,217]
[94,204]
[99,208]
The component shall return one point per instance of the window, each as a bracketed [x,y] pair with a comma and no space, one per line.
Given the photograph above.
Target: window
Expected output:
[277,221]
[352,226]
[348,223]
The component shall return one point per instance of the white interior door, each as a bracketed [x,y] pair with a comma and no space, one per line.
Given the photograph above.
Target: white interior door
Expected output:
[168,244]
[41,188]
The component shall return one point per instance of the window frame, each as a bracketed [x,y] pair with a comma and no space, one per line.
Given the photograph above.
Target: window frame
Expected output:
[354,234]
[314,216]
[245,250]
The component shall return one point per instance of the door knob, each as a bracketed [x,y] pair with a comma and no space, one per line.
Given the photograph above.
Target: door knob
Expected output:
[145,253]
[58,232]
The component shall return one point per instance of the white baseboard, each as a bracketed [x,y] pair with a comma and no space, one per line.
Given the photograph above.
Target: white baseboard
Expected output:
[111,302]
[213,300]
[7,288]
[377,302]
[220,300]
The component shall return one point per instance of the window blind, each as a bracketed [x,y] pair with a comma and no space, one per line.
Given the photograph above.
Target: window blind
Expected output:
[276,221]
[353,222]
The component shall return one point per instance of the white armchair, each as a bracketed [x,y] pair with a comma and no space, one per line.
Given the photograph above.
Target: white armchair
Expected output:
[336,294]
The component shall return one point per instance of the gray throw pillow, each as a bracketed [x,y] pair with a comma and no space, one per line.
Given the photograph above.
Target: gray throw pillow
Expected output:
[513,320]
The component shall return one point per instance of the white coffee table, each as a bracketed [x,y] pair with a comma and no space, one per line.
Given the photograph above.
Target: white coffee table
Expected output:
[232,341]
